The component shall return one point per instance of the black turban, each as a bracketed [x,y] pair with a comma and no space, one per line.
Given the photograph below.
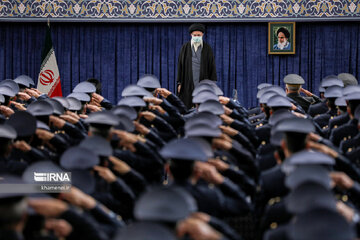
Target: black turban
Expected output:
[284,31]
[197,27]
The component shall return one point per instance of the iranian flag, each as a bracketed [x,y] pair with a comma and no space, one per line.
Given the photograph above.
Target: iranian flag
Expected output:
[49,77]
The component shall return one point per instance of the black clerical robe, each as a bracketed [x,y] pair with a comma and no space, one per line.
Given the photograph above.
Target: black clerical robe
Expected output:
[185,75]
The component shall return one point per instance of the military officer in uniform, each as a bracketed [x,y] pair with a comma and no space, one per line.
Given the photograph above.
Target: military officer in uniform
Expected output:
[294,84]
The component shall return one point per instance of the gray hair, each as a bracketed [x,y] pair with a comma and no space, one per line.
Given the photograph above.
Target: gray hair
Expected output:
[293,87]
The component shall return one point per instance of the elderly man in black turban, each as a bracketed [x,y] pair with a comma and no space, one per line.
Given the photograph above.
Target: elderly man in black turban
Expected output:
[283,36]
[196,62]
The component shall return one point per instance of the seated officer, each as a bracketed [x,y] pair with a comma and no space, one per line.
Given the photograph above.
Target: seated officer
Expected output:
[215,194]
[25,125]
[351,147]
[331,93]
[321,107]
[90,87]
[181,212]
[8,165]
[227,151]
[309,189]
[294,140]
[348,130]
[264,108]
[343,116]
[263,95]
[27,93]
[274,103]
[342,105]
[256,110]
[293,89]
[211,107]
[265,156]
[8,93]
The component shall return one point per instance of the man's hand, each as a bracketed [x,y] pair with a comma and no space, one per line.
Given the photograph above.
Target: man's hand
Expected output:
[72,114]
[224,100]
[141,128]
[105,173]
[225,137]
[322,148]
[127,140]
[97,98]
[69,119]
[57,122]
[164,92]
[32,92]
[78,198]
[346,211]
[201,216]
[48,207]
[18,106]
[220,165]
[22,146]
[93,108]
[6,111]
[179,88]
[37,91]
[306,92]
[148,116]
[60,227]
[342,180]
[223,142]
[208,173]
[228,111]
[44,134]
[157,108]
[153,100]
[23,96]
[229,130]
[314,137]
[119,166]
[293,107]
[197,230]
[228,120]
[125,136]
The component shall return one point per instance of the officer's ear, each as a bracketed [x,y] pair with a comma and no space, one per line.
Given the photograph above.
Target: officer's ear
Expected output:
[349,110]
[284,147]
[167,168]
[283,144]
[277,157]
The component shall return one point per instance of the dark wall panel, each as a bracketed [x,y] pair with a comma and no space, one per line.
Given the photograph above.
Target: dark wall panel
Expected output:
[118,53]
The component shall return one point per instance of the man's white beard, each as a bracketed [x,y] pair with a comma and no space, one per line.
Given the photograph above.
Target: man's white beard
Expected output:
[196,45]
[282,45]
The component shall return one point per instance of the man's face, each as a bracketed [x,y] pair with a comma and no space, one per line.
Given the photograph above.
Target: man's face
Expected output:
[197,34]
[281,37]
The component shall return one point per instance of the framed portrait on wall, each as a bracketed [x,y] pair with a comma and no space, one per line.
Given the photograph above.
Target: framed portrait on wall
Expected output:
[281,37]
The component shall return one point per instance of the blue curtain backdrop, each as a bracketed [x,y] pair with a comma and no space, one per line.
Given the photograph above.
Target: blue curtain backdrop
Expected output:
[118,53]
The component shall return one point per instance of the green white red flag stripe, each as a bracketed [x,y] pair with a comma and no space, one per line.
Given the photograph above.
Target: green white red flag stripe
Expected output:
[49,77]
